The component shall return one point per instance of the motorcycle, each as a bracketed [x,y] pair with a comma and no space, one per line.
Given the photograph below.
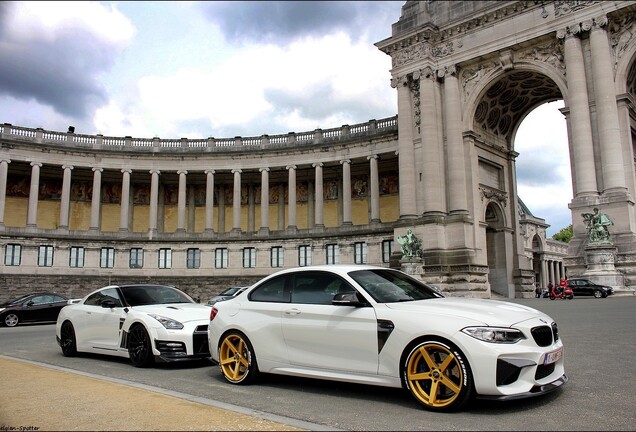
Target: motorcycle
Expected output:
[566,293]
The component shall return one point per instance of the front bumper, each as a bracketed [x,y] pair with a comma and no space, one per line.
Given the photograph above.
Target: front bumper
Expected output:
[537,390]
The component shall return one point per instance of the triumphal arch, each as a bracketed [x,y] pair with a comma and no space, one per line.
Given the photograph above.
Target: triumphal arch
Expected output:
[466,75]
[431,190]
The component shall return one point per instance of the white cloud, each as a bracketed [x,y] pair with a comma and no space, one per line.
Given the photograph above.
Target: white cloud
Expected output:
[46,21]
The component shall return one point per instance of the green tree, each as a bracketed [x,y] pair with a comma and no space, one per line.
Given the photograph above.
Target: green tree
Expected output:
[565,235]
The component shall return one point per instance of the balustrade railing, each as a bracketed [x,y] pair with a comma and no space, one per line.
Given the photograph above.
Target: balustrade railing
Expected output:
[71,139]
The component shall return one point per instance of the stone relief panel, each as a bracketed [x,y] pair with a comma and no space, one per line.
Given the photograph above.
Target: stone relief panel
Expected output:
[621,33]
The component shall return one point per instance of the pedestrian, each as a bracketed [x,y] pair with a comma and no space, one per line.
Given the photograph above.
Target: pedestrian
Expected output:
[550,288]
[537,292]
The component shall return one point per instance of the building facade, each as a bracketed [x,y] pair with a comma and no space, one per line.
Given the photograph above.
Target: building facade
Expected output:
[80,211]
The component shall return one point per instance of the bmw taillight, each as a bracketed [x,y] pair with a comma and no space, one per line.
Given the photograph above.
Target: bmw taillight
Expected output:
[213,313]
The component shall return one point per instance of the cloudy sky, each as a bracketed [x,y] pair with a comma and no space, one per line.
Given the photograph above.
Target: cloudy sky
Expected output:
[224,69]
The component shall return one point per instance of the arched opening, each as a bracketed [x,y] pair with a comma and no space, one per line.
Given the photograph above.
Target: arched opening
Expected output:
[543,170]
[537,251]
[496,250]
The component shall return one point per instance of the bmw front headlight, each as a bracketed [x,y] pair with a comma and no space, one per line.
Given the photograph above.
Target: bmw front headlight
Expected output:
[168,323]
[494,334]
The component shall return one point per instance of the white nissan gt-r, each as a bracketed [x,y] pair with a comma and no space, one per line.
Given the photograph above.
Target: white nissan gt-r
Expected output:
[142,322]
[373,325]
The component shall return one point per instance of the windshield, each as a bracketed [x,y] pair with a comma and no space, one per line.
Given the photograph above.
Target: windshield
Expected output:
[231,291]
[154,294]
[17,300]
[390,286]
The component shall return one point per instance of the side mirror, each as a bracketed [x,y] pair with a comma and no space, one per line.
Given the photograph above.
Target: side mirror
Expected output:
[109,303]
[30,303]
[346,299]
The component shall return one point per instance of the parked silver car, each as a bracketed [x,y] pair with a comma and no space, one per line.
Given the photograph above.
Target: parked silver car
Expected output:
[227,294]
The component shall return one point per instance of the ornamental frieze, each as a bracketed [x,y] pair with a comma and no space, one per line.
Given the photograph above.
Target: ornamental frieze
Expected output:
[491,194]
[471,76]
[551,53]
[411,53]
[564,7]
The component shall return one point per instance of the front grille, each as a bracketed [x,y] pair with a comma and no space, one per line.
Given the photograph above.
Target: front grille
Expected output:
[555,332]
[544,370]
[543,335]
[171,348]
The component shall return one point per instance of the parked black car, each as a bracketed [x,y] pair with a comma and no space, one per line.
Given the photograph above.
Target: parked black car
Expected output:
[36,307]
[587,287]
[226,294]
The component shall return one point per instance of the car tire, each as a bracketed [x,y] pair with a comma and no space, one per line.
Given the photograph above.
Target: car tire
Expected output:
[140,347]
[10,320]
[438,375]
[68,342]
[598,294]
[237,359]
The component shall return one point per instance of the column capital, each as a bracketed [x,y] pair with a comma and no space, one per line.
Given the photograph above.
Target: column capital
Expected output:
[210,171]
[263,169]
[154,171]
[345,161]
[100,169]
[185,172]
[373,157]
[402,81]
[450,70]
[290,167]
[5,160]
[569,32]
[126,170]
[38,164]
[600,22]
[317,164]
[237,170]
[67,167]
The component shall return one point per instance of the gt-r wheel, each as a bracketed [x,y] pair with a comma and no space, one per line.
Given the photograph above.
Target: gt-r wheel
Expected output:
[598,293]
[438,376]
[11,320]
[140,347]
[236,359]
[68,342]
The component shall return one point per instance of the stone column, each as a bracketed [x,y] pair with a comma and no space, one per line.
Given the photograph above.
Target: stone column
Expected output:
[580,124]
[65,202]
[4,170]
[374,188]
[125,200]
[236,201]
[96,202]
[456,166]
[264,201]
[181,201]
[319,196]
[606,108]
[209,200]
[251,208]
[221,224]
[406,155]
[34,192]
[291,197]
[433,174]
[346,192]
[154,200]
[281,206]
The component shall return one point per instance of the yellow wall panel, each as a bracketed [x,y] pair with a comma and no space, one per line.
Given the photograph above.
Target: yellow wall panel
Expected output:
[330,214]
[15,212]
[48,214]
[79,216]
[141,218]
[359,212]
[110,217]
[170,219]
[389,208]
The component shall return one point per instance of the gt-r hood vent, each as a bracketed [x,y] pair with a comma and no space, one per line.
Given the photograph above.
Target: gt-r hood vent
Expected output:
[489,312]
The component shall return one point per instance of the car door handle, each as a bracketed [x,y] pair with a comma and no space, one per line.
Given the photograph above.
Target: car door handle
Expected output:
[292,311]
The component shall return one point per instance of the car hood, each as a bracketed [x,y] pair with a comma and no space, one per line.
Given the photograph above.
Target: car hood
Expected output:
[487,312]
[182,312]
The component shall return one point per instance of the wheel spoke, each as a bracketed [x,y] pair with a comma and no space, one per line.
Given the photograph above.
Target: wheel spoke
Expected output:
[450,384]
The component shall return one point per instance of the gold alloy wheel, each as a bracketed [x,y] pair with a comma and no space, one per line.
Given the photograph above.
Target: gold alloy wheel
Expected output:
[434,375]
[235,358]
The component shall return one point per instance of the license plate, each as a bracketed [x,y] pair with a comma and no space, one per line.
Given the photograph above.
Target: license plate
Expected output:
[553,356]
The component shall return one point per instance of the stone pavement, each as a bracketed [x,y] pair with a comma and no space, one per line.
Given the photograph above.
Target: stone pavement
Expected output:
[36,397]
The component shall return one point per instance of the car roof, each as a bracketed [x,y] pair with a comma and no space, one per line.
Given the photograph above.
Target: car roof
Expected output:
[333,268]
